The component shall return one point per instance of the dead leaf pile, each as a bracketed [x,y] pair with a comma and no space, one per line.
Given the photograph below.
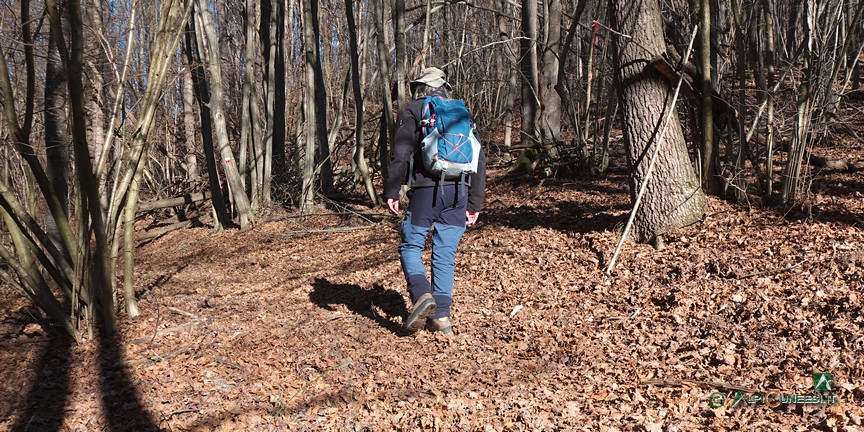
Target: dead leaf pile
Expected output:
[292,327]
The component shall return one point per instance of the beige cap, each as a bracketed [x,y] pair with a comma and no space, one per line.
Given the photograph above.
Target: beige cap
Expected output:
[432,77]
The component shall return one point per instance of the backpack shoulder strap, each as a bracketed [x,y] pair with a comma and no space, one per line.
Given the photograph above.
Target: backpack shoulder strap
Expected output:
[427,113]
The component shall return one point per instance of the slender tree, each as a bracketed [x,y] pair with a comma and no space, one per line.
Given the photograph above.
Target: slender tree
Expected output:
[207,39]
[528,67]
[388,127]
[550,114]
[316,133]
[707,105]
[250,132]
[359,158]
[56,140]
[189,126]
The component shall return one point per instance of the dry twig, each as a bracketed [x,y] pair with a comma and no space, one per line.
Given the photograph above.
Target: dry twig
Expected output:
[699,383]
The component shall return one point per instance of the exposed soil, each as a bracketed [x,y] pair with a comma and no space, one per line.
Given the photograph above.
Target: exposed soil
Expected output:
[283,328]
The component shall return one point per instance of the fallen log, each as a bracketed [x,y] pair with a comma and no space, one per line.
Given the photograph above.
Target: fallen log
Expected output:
[165,230]
[173,202]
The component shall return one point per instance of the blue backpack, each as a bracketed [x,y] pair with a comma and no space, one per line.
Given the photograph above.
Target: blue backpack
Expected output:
[449,147]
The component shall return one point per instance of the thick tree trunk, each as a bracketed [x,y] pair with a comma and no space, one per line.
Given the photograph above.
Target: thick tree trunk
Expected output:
[274,159]
[673,197]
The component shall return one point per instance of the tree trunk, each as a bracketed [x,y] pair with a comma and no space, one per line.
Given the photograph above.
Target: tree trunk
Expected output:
[387,127]
[550,114]
[528,65]
[90,218]
[805,107]
[189,126]
[19,138]
[673,197]
[316,135]
[707,106]
[95,114]
[250,132]
[738,179]
[208,39]
[767,8]
[320,105]
[401,59]
[359,159]
[792,27]
[506,67]
[125,200]
[272,29]
[721,39]
[199,80]
[56,141]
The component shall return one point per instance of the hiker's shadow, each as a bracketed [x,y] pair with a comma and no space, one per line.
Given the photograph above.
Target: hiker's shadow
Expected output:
[384,306]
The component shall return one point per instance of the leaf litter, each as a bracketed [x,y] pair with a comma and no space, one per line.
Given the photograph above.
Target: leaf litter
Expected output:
[266,331]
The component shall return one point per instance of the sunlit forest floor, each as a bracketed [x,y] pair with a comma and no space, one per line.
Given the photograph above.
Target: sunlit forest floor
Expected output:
[296,324]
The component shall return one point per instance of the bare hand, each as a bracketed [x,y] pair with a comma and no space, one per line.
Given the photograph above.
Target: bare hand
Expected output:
[471,217]
[393,206]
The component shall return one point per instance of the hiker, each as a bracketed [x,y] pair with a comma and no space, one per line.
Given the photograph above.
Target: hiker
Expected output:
[448,203]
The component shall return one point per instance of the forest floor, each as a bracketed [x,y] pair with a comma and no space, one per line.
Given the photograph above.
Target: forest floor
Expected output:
[296,325]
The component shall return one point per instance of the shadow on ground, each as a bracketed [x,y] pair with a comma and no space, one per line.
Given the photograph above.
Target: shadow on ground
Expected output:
[120,398]
[45,403]
[47,395]
[571,217]
[384,306]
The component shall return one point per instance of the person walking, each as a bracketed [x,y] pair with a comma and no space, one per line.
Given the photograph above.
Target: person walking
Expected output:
[448,205]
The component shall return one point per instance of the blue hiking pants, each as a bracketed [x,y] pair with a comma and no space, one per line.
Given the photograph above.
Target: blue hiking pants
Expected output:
[444,208]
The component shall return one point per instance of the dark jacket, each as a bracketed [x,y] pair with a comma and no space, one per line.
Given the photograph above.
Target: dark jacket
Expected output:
[406,145]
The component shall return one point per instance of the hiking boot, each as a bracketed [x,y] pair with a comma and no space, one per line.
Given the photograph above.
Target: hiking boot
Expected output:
[422,308]
[439,325]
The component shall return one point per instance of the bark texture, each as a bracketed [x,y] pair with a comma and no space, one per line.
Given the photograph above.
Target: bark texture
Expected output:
[673,196]
[528,67]
[550,115]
